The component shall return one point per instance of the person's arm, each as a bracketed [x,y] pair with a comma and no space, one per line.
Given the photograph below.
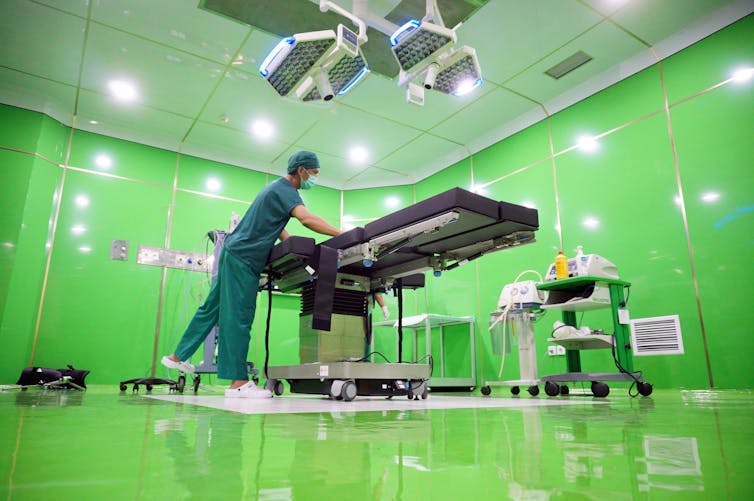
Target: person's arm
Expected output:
[284,234]
[314,223]
[381,302]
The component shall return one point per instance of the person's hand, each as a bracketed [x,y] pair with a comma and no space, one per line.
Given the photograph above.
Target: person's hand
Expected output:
[385,312]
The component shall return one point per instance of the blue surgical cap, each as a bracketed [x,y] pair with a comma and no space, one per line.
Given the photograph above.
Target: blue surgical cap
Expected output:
[305,159]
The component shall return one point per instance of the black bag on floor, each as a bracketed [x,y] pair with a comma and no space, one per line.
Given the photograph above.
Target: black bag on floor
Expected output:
[41,375]
[38,375]
[77,375]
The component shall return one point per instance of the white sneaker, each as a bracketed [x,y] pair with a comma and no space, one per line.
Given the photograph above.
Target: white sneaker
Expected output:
[249,390]
[181,366]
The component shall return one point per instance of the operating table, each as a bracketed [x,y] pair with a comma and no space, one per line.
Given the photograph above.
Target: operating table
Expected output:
[338,277]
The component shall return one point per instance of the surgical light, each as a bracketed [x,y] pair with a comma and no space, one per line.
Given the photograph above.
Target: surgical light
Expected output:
[316,65]
[415,43]
[460,72]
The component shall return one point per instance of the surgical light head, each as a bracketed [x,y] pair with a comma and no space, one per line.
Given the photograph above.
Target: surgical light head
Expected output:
[456,73]
[315,65]
[459,73]
[416,44]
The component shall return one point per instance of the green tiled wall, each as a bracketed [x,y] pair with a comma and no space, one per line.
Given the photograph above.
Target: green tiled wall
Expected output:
[95,310]
[621,201]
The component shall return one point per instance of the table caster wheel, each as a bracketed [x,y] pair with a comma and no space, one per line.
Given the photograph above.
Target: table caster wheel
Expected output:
[515,390]
[552,389]
[533,390]
[645,389]
[486,390]
[600,390]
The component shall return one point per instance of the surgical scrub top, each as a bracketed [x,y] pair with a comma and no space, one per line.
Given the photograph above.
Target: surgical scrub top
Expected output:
[255,235]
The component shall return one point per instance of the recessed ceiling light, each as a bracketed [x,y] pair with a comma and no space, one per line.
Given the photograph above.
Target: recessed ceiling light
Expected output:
[743,75]
[103,161]
[710,196]
[391,202]
[213,184]
[591,222]
[82,201]
[587,143]
[358,154]
[122,90]
[93,122]
[262,129]
[479,189]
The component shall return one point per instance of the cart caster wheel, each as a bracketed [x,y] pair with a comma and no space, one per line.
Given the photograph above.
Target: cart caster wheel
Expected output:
[410,394]
[123,387]
[197,380]
[348,391]
[533,390]
[135,388]
[149,387]
[645,389]
[486,390]
[425,393]
[278,388]
[181,383]
[564,390]
[552,389]
[515,390]
[600,390]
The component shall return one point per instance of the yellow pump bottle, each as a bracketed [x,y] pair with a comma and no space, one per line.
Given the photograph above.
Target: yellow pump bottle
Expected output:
[561,266]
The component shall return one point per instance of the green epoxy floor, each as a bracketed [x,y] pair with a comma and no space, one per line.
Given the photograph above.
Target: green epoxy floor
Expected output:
[676,444]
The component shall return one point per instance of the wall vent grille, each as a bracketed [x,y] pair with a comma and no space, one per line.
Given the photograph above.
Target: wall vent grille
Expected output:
[656,336]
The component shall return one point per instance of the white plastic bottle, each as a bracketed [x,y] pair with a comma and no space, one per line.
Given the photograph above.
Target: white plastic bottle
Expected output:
[580,262]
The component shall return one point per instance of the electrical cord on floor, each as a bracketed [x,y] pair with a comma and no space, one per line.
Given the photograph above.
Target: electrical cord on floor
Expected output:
[624,371]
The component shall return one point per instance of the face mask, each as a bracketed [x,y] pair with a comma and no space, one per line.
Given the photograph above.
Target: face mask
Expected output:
[307,184]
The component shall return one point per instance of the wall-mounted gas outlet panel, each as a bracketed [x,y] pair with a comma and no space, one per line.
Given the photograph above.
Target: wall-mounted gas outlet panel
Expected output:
[156,256]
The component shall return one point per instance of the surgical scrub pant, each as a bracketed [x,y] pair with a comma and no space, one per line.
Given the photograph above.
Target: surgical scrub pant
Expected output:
[230,304]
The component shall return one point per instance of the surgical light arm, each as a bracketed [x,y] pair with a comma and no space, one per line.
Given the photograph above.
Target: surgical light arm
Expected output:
[325,5]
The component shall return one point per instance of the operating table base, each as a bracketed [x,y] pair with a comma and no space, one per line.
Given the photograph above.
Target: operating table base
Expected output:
[346,380]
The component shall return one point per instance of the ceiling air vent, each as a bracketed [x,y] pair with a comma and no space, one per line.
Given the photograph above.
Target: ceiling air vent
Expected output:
[656,336]
[568,65]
